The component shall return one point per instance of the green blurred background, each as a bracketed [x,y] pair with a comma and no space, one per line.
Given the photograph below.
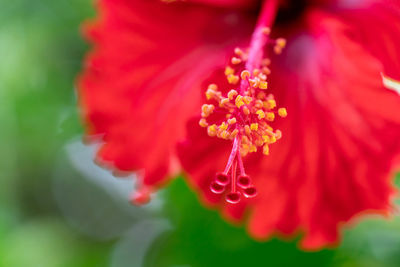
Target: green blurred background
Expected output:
[57,209]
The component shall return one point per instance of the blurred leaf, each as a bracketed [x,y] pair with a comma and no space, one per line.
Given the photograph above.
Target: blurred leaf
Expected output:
[202,238]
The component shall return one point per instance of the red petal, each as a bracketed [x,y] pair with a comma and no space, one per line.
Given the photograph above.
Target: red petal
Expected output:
[377,27]
[228,3]
[142,80]
[339,142]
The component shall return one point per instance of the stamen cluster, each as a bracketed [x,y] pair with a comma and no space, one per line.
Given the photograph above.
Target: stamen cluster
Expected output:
[242,114]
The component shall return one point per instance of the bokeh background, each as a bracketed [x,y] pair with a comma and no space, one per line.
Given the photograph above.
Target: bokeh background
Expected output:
[58,209]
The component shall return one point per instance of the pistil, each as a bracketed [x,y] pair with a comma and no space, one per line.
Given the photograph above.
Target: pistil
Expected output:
[249,109]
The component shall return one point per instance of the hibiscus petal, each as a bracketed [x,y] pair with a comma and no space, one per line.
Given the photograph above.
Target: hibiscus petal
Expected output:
[339,141]
[228,3]
[142,79]
[377,26]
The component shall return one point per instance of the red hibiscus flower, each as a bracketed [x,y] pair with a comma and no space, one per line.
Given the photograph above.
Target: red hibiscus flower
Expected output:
[201,85]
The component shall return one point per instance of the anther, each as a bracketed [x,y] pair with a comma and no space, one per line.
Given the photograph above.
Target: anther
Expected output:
[271,104]
[229,71]
[266,30]
[224,101]
[266,62]
[266,150]
[232,121]
[203,123]
[245,74]
[232,93]
[282,112]
[234,133]
[261,114]
[253,148]
[270,116]
[263,85]
[266,71]
[246,111]
[247,129]
[212,130]
[278,134]
[281,42]
[254,126]
[247,99]
[236,61]
[239,101]
[232,79]
[238,51]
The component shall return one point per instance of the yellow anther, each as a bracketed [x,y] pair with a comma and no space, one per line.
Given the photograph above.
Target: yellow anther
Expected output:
[282,112]
[233,79]
[278,134]
[244,150]
[247,129]
[281,42]
[266,62]
[203,123]
[266,71]
[258,104]
[261,114]
[213,86]
[266,139]
[258,142]
[254,126]
[212,130]
[254,82]
[256,72]
[247,99]
[246,110]
[207,108]
[225,134]
[232,93]
[261,95]
[245,74]
[277,49]
[239,101]
[232,121]
[236,60]
[253,148]
[234,133]
[224,101]
[263,85]
[266,30]
[238,51]
[272,139]
[210,94]
[245,140]
[271,104]
[266,150]
[270,116]
[262,77]
[229,71]
[223,126]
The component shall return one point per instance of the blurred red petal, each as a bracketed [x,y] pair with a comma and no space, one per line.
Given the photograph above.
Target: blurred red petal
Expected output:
[142,79]
[377,26]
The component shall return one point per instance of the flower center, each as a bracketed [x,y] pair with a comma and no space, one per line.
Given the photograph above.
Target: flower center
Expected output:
[243,115]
